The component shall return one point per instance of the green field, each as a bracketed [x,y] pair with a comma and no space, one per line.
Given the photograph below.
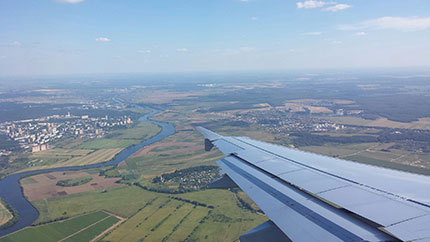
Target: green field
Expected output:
[138,204]
[167,219]
[45,161]
[82,228]
[123,138]
[5,215]
[122,200]
[155,163]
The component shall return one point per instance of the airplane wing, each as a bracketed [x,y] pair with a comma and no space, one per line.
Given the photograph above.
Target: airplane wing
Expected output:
[310,197]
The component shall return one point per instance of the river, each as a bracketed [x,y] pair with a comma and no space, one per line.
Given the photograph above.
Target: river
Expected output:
[11,191]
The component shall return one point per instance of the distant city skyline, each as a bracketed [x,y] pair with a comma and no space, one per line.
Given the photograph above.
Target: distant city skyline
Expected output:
[49,37]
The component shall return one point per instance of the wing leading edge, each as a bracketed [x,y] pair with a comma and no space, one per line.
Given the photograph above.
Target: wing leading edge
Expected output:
[311,197]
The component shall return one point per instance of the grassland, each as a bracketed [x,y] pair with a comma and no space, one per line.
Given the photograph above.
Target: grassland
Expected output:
[5,215]
[54,158]
[181,150]
[166,219]
[81,228]
[123,138]
[156,216]
[123,200]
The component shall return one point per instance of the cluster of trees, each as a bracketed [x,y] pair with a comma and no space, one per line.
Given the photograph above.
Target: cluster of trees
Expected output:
[74,181]
[243,204]
[167,191]
[13,212]
[195,203]
[7,143]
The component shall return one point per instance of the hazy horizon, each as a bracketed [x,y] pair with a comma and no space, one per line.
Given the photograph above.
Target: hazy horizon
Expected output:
[67,37]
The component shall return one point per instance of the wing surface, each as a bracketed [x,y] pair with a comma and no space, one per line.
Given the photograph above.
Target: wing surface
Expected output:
[311,197]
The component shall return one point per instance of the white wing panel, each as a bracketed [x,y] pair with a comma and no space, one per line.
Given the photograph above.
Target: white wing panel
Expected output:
[313,182]
[370,205]
[413,229]
[226,147]
[278,166]
[403,184]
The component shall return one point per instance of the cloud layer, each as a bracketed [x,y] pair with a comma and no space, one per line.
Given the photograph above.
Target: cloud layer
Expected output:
[392,23]
[332,6]
[70,1]
[337,7]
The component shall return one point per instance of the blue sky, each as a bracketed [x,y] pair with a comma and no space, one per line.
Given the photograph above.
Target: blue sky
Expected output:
[121,36]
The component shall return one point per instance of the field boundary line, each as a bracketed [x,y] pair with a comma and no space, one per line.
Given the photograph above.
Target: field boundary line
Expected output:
[89,226]
[121,220]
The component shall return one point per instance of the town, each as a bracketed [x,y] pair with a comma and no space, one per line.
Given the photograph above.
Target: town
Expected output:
[34,135]
[282,120]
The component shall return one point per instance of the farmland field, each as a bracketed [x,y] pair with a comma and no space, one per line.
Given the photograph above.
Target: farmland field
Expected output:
[157,216]
[122,200]
[5,215]
[167,219]
[82,228]
[123,138]
[48,160]
[44,186]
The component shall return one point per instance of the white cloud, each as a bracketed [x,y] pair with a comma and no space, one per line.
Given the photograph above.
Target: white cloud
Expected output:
[336,42]
[15,43]
[393,23]
[70,1]
[319,4]
[398,23]
[254,18]
[313,33]
[312,4]
[244,0]
[337,7]
[182,50]
[103,39]
[360,33]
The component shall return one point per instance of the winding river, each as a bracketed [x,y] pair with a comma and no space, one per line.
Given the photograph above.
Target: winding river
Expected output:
[11,191]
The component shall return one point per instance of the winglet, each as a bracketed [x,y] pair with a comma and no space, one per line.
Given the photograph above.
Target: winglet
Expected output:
[209,137]
[208,134]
